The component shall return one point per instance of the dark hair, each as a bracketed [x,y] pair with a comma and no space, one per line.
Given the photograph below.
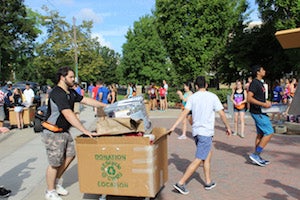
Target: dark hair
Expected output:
[63,71]
[189,84]
[255,69]
[200,82]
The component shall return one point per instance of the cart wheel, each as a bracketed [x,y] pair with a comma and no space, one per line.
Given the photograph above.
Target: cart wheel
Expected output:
[103,197]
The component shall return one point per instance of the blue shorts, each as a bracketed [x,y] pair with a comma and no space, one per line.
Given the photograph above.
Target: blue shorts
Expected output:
[263,124]
[203,144]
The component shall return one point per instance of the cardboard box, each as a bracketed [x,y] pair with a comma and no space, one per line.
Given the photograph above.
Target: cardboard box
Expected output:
[123,165]
[28,115]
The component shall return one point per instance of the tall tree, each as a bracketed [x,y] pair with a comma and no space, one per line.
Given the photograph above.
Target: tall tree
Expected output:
[194,32]
[58,49]
[17,35]
[111,60]
[144,57]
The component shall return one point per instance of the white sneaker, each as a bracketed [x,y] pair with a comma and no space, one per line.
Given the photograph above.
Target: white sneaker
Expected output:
[52,196]
[61,191]
[182,137]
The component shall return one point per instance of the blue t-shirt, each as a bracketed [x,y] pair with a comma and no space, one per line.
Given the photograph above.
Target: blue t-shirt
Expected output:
[78,90]
[105,92]
[276,94]
[90,88]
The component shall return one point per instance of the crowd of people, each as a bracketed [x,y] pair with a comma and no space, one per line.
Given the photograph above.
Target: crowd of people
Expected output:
[64,104]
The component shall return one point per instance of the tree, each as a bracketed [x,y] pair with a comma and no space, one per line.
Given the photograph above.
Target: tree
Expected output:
[259,45]
[111,60]
[18,32]
[58,50]
[145,59]
[195,32]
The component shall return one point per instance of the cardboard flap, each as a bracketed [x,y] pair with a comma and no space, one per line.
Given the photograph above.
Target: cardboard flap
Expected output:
[159,133]
[289,38]
[117,126]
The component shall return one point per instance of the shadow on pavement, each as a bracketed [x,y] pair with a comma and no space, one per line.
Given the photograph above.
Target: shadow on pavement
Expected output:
[20,173]
[294,192]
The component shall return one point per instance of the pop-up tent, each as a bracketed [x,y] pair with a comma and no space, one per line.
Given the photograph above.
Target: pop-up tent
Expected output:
[290,39]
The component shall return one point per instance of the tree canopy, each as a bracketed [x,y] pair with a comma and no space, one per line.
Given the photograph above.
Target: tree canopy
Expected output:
[145,59]
[194,32]
[17,35]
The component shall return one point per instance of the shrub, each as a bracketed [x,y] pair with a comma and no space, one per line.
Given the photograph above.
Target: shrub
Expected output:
[222,93]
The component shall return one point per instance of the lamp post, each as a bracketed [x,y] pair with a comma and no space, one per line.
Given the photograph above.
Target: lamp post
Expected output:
[75,50]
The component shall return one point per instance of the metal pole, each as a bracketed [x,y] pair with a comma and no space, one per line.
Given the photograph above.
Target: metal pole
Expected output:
[75,49]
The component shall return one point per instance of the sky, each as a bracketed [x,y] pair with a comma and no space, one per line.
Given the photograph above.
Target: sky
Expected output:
[112,18]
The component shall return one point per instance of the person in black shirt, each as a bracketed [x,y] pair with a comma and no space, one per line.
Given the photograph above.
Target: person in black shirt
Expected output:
[58,141]
[256,98]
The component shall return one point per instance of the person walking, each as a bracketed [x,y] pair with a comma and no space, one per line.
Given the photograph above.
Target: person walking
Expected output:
[58,141]
[257,99]
[203,105]
[184,97]
[239,99]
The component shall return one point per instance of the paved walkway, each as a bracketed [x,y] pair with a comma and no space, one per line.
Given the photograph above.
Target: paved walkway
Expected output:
[23,164]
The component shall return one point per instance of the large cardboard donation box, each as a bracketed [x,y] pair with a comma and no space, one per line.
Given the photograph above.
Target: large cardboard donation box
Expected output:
[28,115]
[123,165]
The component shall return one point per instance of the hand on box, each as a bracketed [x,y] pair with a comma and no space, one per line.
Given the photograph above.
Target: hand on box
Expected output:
[267,104]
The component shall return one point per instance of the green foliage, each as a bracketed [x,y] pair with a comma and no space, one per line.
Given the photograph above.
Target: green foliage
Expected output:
[18,31]
[194,32]
[94,61]
[173,96]
[222,93]
[144,57]
[111,60]
[259,45]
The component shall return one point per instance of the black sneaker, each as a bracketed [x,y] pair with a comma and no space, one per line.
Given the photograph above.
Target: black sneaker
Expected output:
[4,192]
[181,189]
[210,186]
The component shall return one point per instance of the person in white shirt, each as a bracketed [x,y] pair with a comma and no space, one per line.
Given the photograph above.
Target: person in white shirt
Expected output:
[29,95]
[203,105]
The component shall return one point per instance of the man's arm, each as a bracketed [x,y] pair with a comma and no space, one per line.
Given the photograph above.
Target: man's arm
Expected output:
[92,102]
[224,119]
[74,121]
[252,100]
[181,117]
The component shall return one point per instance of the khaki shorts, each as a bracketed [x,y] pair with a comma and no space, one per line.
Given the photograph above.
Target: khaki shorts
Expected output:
[58,147]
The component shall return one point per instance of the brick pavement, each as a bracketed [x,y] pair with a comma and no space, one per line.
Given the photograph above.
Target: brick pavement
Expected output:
[235,176]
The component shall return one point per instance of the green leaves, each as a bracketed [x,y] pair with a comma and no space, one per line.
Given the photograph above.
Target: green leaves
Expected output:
[144,57]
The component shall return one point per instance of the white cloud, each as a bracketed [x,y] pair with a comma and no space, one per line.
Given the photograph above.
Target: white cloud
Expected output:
[101,39]
[89,14]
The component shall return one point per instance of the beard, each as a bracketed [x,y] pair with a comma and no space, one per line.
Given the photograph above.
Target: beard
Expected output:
[69,84]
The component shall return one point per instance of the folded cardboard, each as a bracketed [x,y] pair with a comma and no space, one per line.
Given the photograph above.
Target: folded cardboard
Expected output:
[117,126]
[123,166]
